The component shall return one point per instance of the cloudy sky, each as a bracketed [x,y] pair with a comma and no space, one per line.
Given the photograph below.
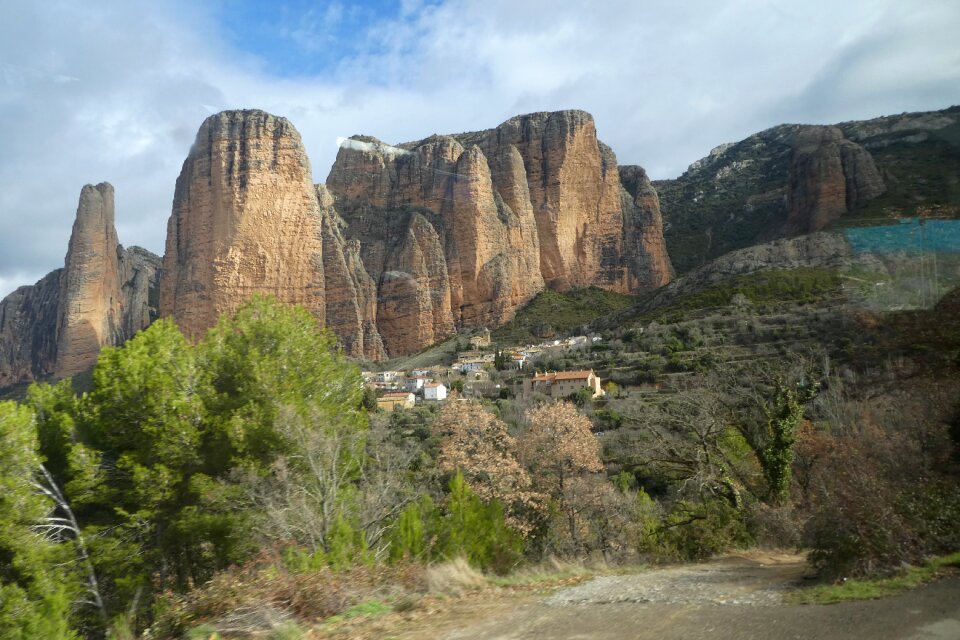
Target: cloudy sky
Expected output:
[114,90]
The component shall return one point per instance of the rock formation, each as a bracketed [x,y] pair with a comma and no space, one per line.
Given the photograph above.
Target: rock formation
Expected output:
[782,182]
[463,230]
[830,250]
[245,220]
[351,295]
[89,313]
[406,244]
[402,245]
[28,331]
[829,176]
[644,248]
[101,297]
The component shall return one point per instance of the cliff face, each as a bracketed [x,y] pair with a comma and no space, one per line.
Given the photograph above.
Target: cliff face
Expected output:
[28,331]
[782,182]
[399,249]
[89,313]
[796,179]
[644,247]
[462,230]
[351,297]
[829,176]
[101,297]
[403,244]
[245,220]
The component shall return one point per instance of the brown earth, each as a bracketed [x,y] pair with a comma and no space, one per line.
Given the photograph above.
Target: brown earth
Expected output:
[736,597]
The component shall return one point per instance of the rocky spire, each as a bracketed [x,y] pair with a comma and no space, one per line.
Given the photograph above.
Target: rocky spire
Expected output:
[245,220]
[101,297]
[90,311]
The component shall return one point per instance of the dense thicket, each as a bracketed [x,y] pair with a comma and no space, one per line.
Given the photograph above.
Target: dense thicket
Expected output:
[251,456]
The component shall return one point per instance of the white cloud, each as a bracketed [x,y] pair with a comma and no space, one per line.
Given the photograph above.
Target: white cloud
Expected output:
[116,90]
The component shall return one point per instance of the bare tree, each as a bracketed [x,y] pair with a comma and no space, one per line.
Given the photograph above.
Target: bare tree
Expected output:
[62,525]
[476,443]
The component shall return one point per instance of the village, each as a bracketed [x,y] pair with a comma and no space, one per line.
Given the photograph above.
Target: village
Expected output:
[485,371]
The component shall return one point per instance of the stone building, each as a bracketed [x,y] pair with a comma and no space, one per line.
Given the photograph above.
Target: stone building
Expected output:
[560,384]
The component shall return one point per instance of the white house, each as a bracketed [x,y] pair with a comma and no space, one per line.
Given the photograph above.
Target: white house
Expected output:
[434,391]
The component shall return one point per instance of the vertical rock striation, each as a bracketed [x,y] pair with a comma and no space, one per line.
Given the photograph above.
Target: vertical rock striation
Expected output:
[90,313]
[102,297]
[462,230]
[645,250]
[28,331]
[829,176]
[351,299]
[245,220]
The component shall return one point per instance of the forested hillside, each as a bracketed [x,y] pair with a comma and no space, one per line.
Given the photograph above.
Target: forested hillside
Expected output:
[248,482]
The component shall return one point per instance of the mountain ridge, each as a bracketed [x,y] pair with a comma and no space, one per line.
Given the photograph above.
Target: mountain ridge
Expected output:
[404,245]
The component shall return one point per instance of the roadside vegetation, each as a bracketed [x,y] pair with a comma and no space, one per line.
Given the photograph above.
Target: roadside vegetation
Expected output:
[873,588]
[238,486]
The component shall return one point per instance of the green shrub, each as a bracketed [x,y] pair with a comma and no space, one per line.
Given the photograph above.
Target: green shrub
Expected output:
[694,531]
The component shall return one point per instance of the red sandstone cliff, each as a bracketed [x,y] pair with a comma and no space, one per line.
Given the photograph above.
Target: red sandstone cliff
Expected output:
[399,249]
[101,297]
[245,220]
[829,176]
[491,217]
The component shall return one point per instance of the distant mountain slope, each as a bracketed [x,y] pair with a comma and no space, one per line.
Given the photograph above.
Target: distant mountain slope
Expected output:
[795,179]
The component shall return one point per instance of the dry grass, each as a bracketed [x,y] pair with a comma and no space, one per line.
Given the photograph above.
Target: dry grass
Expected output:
[264,600]
[551,570]
[254,596]
[453,578]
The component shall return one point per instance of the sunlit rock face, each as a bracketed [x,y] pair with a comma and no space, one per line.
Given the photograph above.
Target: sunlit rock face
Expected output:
[101,297]
[90,313]
[463,230]
[245,220]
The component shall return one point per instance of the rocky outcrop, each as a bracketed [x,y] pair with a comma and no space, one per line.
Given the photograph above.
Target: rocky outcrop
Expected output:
[463,230]
[103,296]
[28,331]
[140,289]
[351,295]
[245,220]
[90,313]
[829,176]
[785,181]
[645,250]
[574,195]
[823,250]
[402,246]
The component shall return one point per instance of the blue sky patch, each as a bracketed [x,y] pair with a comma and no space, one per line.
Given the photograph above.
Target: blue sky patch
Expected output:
[297,38]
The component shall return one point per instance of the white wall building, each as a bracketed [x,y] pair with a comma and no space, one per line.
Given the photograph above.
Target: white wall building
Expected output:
[435,391]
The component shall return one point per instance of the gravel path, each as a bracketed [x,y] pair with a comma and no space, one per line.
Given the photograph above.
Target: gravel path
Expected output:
[734,598]
[732,581]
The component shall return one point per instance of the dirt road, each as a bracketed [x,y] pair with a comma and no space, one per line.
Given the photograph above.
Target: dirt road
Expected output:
[735,598]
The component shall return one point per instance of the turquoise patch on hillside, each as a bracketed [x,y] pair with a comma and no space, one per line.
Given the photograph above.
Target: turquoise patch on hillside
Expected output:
[910,235]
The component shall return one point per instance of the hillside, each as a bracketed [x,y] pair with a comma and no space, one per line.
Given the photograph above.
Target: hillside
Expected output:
[776,183]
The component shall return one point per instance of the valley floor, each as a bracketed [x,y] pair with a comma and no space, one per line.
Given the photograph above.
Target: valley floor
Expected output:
[736,597]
